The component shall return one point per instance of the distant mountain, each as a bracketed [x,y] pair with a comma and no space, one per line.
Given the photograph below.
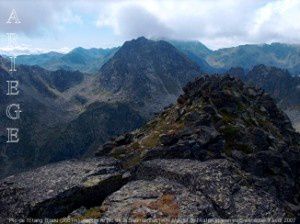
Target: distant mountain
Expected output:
[99,122]
[141,78]
[195,47]
[279,55]
[196,52]
[285,56]
[39,59]
[148,73]
[84,60]
[277,82]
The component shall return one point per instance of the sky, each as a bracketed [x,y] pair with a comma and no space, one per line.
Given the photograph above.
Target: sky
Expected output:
[63,25]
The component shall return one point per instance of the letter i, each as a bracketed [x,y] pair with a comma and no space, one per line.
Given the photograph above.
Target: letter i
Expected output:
[12,64]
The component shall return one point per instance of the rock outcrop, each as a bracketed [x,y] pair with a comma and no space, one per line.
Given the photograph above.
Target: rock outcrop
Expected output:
[221,122]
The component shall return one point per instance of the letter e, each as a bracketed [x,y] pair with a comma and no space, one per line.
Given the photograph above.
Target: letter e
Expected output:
[12,135]
[12,88]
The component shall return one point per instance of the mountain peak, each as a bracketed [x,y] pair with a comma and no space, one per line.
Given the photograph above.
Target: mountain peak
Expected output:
[141,39]
[137,41]
[145,68]
[78,49]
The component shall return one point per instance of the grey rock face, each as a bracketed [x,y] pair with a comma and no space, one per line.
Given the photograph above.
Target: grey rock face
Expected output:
[190,191]
[226,188]
[56,190]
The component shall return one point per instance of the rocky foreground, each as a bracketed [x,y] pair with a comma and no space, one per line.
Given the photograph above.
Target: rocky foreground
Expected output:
[224,151]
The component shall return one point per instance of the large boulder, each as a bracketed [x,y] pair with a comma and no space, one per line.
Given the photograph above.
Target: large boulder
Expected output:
[55,190]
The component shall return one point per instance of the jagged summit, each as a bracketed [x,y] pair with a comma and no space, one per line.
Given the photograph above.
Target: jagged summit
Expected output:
[223,106]
[139,40]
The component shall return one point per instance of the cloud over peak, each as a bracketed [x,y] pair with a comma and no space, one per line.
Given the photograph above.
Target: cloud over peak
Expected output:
[217,23]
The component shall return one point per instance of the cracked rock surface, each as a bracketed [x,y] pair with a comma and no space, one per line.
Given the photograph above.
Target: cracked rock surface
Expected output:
[228,189]
[156,199]
[183,189]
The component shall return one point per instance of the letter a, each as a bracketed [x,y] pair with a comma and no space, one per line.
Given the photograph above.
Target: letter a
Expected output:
[13,18]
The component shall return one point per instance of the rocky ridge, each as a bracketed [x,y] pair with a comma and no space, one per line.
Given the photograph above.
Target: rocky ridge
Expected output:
[223,151]
[220,122]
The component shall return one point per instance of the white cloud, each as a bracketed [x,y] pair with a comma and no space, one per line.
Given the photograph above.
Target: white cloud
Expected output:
[26,50]
[69,17]
[218,23]
[37,16]
[277,21]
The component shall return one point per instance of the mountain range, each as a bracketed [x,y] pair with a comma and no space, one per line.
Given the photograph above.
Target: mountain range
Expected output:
[140,132]
[84,60]
[43,107]
[69,113]
[283,87]
[285,56]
